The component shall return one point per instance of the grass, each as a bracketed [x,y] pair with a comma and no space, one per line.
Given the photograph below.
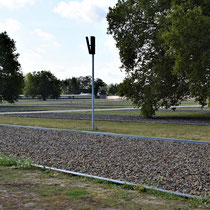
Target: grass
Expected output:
[33,188]
[176,114]
[13,161]
[63,104]
[76,193]
[188,132]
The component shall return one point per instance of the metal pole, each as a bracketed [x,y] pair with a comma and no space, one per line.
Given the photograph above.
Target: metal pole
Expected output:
[93,96]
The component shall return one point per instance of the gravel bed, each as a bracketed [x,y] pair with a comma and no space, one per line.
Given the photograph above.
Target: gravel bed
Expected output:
[124,118]
[182,167]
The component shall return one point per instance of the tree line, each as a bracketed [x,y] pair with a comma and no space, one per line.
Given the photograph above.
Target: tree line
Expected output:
[42,84]
[45,85]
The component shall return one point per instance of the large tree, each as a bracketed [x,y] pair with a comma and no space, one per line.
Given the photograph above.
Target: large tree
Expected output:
[144,32]
[11,77]
[188,41]
[42,84]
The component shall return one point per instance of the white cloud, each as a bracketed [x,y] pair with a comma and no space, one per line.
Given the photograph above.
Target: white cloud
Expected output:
[44,35]
[87,11]
[10,25]
[15,4]
[47,37]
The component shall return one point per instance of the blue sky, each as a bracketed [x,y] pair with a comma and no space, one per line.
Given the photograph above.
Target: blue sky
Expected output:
[50,35]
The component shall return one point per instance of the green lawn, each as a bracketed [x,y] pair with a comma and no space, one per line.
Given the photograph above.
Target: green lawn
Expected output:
[188,132]
[176,114]
[64,104]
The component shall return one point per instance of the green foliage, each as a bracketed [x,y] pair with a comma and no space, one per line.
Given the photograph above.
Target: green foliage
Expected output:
[160,51]
[71,86]
[30,89]
[11,78]
[100,87]
[83,85]
[187,38]
[14,162]
[42,84]
[112,89]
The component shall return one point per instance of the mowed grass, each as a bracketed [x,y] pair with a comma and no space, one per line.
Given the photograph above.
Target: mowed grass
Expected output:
[188,132]
[165,114]
[53,104]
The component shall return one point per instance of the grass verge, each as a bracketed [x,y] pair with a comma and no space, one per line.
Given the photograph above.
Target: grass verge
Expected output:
[187,132]
[176,114]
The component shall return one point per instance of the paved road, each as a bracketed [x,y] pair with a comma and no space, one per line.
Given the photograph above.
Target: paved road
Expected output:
[86,110]
[64,111]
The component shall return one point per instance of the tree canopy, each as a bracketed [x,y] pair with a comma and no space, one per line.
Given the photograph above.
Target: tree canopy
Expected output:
[42,84]
[83,84]
[164,49]
[11,77]
[112,89]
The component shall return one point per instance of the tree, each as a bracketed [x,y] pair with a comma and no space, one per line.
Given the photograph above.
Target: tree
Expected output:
[11,77]
[42,84]
[112,89]
[143,31]
[31,87]
[100,87]
[71,86]
[85,84]
[187,38]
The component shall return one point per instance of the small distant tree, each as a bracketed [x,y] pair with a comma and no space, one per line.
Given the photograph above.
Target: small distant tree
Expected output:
[85,84]
[112,89]
[71,86]
[31,88]
[77,85]
[43,84]
[100,87]
[11,77]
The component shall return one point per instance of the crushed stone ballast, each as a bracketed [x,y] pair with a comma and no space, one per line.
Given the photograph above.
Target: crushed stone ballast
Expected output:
[110,134]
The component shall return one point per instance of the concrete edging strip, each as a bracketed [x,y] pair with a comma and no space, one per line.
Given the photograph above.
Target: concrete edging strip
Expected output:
[116,181]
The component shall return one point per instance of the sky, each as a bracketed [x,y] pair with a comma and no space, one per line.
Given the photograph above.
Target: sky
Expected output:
[50,35]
